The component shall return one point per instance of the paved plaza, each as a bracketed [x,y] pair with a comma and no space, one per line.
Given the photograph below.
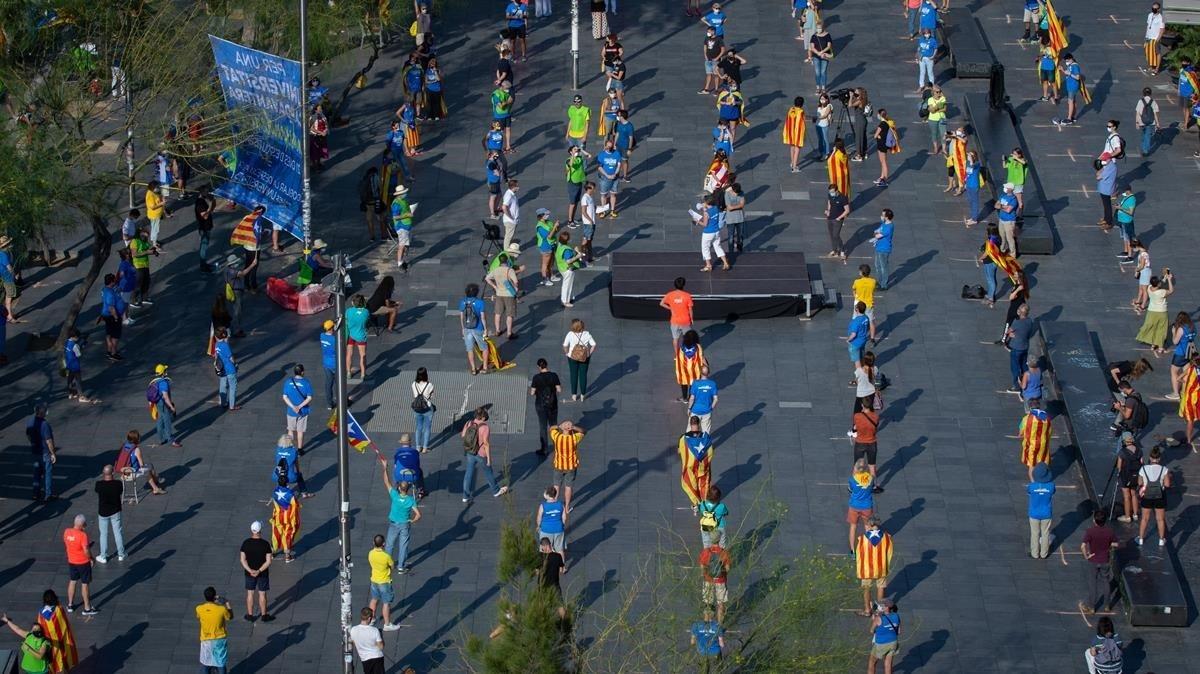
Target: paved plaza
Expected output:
[955,500]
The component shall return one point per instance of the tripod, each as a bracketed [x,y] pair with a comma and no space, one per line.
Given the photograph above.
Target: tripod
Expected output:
[843,118]
[492,241]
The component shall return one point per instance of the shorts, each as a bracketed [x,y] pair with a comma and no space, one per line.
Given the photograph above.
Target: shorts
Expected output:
[297,424]
[714,591]
[1070,94]
[710,67]
[558,541]
[574,192]
[607,185]
[856,515]
[383,592]
[1019,189]
[856,353]
[565,478]
[1030,16]
[112,327]
[376,665]
[677,331]
[517,33]
[506,306]
[81,573]
[350,341]
[616,85]
[870,313]
[261,582]
[276,227]
[1128,481]
[1154,503]
[493,188]
[881,651]
[1046,75]
[1179,360]
[1144,277]
[404,237]
[474,338]
[11,291]
[505,122]
[580,143]
[877,582]
[589,231]
[869,450]
[1126,230]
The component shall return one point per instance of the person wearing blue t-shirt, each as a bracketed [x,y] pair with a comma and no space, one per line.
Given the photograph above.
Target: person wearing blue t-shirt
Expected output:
[493,141]
[552,521]
[516,15]
[1047,66]
[472,318]
[708,636]
[1186,89]
[1041,494]
[722,138]
[297,397]
[494,171]
[624,141]
[1030,18]
[928,13]
[329,360]
[709,222]
[285,454]
[927,48]
[702,399]
[882,241]
[885,634]
[72,364]
[716,18]
[406,465]
[609,163]
[857,333]
[227,386]
[1072,78]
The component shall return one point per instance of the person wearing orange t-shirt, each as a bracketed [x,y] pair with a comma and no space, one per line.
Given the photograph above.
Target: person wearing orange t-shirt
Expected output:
[679,303]
[79,559]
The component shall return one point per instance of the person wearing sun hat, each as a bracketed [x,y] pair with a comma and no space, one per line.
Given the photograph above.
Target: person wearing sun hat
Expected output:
[503,279]
[8,277]
[162,407]
[329,359]
[317,264]
[402,222]
[1041,493]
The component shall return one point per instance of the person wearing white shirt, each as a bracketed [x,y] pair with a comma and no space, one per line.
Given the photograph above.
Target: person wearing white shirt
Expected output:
[1154,30]
[368,642]
[578,346]
[511,212]
[1113,143]
[587,207]
[1145,116]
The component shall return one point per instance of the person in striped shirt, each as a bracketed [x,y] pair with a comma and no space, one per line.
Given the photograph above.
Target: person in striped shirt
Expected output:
[566,437]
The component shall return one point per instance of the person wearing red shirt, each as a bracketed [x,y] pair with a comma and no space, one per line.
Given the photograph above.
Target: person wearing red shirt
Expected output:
[679,303]
[79,559]
[1098,543]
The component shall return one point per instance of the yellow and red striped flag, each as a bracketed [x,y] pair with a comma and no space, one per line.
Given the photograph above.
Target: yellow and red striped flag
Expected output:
[285,519]
[1035,437]
[838,167]
[873,555]
[1189,394]
[56,629]
[695,456]
[1058,34]
[243,233]
[1003,261]
[687,364]
[794,127]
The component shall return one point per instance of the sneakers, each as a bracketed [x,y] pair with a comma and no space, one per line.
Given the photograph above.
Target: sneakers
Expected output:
[500,492]
[147,301]
[1013,389]
[267,617]
[403,571]
[881,183]
[466,499]
[102,560]
[1139,541]
[391,627]
[1124,518]
[1162,542]
[555,278]
[120,558]
[1172,396]
[249,618]
[89,611]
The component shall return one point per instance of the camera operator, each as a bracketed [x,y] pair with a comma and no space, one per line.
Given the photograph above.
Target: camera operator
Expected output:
[860,108]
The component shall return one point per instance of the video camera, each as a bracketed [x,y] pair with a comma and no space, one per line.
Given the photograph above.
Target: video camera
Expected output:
[842,95]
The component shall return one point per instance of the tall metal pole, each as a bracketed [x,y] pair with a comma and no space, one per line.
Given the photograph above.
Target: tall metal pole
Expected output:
[124,83]
[574,44]
[339,295]
[306,201]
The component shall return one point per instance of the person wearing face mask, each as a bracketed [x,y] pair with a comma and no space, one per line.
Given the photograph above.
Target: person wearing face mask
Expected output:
[1072,78]
[1146,118]
[1114,144]
[1154,31]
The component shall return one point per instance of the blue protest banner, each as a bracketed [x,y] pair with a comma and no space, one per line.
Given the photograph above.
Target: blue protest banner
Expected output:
[267,169]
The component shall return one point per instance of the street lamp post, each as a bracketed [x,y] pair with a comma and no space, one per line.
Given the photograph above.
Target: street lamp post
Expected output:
[575,44]
[306,201]
[336,283]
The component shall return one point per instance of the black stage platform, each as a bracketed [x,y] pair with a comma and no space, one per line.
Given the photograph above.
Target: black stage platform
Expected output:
[760,285]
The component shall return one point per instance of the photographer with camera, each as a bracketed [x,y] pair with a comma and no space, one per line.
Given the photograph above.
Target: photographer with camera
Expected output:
[213,615]
[885,635]
[860,109]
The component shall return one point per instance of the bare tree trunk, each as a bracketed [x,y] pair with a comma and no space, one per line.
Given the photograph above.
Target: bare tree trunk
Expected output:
[101,249]
[337,111]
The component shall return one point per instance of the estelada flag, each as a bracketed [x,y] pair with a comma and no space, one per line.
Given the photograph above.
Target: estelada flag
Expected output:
[1058,34]
[793,127]
[688,361]
[1083,90]
[243,234]
[1035,437]
[355,435]
[211,349]
[695,456]
[1003,261]
[873,555]
[285,518]
[56,629]
[959,154]
[839,172]
[1189,395]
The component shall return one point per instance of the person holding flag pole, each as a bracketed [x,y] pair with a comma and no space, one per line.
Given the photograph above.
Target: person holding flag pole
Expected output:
[57,630]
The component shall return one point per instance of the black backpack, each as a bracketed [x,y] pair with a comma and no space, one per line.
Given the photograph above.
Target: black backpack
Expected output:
[1141,414]
[1154,488]
[470,315]
[1147,113]
[420,404]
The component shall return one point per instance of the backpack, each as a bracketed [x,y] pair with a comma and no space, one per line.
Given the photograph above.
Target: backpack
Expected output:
[1141,414]
[153,395]
[1154,488]
[923,111]
[1108,652]
[708,519]
[1147,117]
[470,439]
[715,567]
[470,314]
[881,380]
[1120,147]
[973,293]
[124,460]
[420,404]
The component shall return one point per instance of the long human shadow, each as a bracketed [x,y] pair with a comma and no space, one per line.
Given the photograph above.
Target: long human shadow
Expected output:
[735,476]
[918,655]
[14,572]
[415,600]
[277,643]
[166,523]
[428,654]
[890,468]
[883,357]
[742,419]
[613,373]
[313,580]
[579,548]
[726,377]
[710,334]
[111,656]
[140,571]
[462,530]
[896,409]
[595,589]
[591,419]
[913,573]
[619,475]
[175,474]
[1069,523]
[911,265]
[902,516]
[849,74]
[753,540]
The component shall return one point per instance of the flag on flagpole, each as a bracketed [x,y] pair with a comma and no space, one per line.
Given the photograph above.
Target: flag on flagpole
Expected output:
[1058,34]
[243,233]
[355,435]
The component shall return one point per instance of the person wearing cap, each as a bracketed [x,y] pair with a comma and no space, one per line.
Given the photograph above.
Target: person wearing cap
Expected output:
[402,222]
[141,249]
[235,289]
[510,213]
[255,557]
[1106,186]
[1129,464]
[329,360]
[503,280]
[885,635]
[1041,494]
[545,232]
[8,277]
[579,118]
[502,104]
[576,167]
[163,409]
[1006,213]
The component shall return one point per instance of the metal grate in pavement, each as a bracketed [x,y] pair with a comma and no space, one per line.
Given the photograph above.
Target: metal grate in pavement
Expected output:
[455,394]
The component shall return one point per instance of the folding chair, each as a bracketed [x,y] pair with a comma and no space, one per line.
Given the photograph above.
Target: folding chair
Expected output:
[130,492]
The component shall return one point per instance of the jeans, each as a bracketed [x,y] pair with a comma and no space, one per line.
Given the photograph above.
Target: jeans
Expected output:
[1039,537]
[989,280]
[835,234]
[235,312]
[823,140]
[251,278]
[399,156]
[541,8]
[118,535]
[821,72]
[398,532]
[1100,586]
[912,15]
[610,6]
[925,69]
[203,245]
[42,468]
[470,463]
[1147,138]
[707,538]
[547,417]
[973,203]
[330,385]
[227,390]
[881,268]
[155,223]
[424,428]
[579,373]
[163,425]
[205,669]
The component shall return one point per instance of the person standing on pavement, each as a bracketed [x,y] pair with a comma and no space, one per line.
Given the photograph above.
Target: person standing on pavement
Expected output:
[579,119]
[368,641]
[162,407]
[226,367]
[401,515]
[714,568]
[1106,186]
[381,581]
[576,171]
[285,519]
[1007,207]
[213,615]
[566,437]
[793,132]
[112,312]
[708,637]
[544,233]
[936,119]
[79,559]
[882,242]
[863,290]
[588,214]
[1016,169]
[857,333]
[1153,481]
[679,303]
[709,222]
[73,366]
[35,648]
[972,183]
[1098,544]
[141,249]
[712,50]
[516,14]
[156,208]
[297,399]
[1041,495]
[552,521]
[108,501]
[494,169]
[861,507]
[477,448]
[702,399]
[402,222]
[127,279]
[255,558]
[567,258]
[873,561]
[356,318]
[502,104]
[1105,655]
[287,464]
[472,319]
[510,211]
[927,48]
[1155,25]
[1145,117]
[1126,203]
[864,430]
[885,635]
[45,453]
[695,460]
[689,359]
[1183,336]
[423,408]
[608,164]
[505,286]
[235,290]
[820,51]
[1020,331]
[1153,332]
[837,209]
[545,388]
[205,204]
[329,360]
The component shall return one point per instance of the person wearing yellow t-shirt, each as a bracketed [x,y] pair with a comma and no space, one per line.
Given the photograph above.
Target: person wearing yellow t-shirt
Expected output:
[579,117]
[864,291]
[156,208]
[213,615]
[381,581]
